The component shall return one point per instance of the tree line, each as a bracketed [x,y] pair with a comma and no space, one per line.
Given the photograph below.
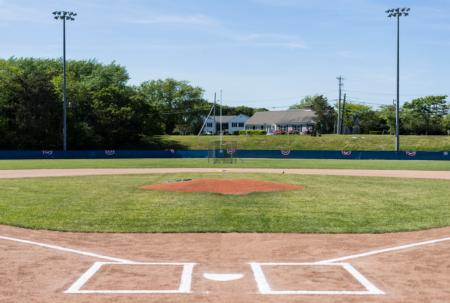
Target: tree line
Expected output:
[105,112]
[422,116]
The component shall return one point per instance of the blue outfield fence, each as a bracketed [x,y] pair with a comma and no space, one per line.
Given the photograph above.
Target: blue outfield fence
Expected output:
[274,154]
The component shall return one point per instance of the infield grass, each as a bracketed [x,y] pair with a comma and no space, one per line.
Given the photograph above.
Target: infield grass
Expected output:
[244,163]
[327,205]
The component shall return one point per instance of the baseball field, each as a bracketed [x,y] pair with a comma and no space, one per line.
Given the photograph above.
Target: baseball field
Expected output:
[145,230]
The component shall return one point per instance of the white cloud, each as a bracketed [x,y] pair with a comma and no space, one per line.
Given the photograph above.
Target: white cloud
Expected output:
[216,27]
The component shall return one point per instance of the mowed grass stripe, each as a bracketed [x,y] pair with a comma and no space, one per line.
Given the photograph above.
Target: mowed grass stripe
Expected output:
[327,205]
[324,142]
[244,163]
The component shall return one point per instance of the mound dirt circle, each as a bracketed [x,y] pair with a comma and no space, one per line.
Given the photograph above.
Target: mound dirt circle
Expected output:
[223,186]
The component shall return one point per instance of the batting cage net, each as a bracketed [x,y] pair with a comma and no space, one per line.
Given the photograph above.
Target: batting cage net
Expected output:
[222,152]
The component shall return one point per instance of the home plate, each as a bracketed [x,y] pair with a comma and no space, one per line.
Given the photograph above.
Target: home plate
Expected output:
[222,277]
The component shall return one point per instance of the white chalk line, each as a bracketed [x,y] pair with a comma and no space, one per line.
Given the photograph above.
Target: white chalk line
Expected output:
[185,286]
[260,278]
[64,249]
[75,288]
[385,250]
[265,288]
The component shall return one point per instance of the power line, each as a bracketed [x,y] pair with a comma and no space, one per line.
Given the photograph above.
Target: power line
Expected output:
[298,97]
[390,94]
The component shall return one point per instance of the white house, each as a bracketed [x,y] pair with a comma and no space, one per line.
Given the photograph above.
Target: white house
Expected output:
[301,120]
[230,124]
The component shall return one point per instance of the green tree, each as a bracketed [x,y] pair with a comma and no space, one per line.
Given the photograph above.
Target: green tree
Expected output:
[325,114]
[30,112]
[103,111]
[425,115]
[179,103]
[446,124]
[387,114]
[360,118]
[245,110]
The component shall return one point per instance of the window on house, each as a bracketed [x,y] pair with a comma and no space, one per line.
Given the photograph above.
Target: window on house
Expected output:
[241,124]
[208,124]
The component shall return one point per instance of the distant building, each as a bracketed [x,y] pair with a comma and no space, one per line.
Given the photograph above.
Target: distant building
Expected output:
[230,124]
[301,120]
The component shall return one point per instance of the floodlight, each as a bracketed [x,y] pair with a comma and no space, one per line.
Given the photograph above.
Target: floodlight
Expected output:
[64,16]
[398,12]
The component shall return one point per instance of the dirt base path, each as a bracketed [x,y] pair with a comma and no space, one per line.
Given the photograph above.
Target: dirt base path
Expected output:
[44,266]
[31,173]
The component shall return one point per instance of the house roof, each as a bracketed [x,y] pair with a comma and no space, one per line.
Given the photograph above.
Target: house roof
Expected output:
[226,119]
[297,116]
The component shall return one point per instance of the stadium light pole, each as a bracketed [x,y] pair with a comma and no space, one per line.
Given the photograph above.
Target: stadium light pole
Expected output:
[64,16]
[398,12]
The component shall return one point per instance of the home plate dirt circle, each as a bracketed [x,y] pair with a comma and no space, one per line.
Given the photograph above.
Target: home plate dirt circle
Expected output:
[223,186]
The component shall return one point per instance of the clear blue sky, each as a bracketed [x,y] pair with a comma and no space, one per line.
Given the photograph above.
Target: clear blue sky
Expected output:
[262,53]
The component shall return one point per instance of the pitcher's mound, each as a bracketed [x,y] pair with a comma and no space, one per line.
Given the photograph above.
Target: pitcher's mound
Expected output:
[226,187]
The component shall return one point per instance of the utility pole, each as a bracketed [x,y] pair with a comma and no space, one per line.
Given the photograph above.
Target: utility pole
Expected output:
[343,113]
[398,12]
[215,124]
[338,126]
[64,16]
[394,105]
[221,133]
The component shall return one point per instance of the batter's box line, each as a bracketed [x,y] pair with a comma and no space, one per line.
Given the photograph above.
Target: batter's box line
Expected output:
[265,288]
[184,288]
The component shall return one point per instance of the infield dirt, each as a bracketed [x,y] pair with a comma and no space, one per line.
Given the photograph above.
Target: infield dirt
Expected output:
[225,187]
[36,274]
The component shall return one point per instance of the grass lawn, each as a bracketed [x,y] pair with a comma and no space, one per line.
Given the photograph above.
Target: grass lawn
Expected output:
[253,163]
[327,205]
[325,142]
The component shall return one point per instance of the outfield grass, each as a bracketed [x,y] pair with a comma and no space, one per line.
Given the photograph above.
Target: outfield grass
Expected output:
[249,163]
[326,205]
[325,142]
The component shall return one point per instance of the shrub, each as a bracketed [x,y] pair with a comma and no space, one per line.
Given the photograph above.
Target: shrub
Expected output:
[252,132]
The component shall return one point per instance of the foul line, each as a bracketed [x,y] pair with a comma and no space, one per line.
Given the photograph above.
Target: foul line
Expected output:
[70,250]
[385,250]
